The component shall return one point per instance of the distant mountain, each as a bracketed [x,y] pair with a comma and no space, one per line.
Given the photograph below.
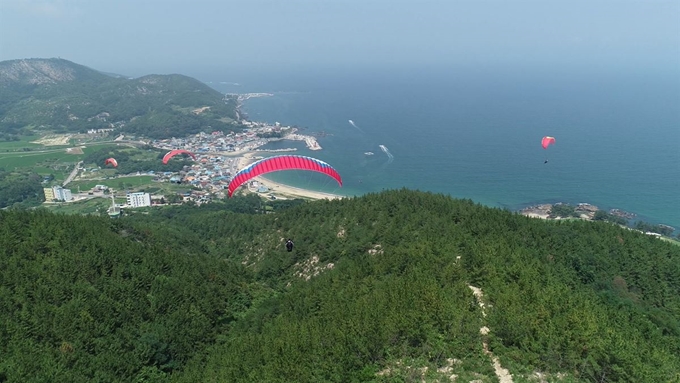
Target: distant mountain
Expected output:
[59,96]
[44,71]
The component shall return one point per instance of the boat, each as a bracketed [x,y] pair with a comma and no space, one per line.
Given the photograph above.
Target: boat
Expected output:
[369,153]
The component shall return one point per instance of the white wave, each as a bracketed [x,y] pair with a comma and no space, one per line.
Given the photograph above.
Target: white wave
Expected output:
[390,157]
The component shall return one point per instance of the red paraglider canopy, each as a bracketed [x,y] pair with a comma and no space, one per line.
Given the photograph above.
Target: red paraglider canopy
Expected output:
[547,140]
[175,152]
[111,161]
[287,162]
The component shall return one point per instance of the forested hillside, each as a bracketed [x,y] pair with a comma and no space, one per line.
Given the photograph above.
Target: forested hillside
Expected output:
[378,288]
[20,189]
[59,96]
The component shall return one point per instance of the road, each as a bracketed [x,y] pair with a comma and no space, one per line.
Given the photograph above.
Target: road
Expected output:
[73,174]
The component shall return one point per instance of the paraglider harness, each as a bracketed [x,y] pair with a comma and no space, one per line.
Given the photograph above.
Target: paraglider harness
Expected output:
[289,245]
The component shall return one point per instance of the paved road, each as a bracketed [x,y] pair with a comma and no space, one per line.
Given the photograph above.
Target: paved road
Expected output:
[73,174]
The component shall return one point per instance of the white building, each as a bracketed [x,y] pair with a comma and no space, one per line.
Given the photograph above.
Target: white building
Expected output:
[60,194]
[66,194]
[138,199]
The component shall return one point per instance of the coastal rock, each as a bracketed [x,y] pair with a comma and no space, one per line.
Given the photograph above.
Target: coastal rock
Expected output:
[622,213]
[586,207]
[586,210]
[540,211]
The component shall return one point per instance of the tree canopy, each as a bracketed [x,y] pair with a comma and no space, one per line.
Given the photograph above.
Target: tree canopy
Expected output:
[376,289]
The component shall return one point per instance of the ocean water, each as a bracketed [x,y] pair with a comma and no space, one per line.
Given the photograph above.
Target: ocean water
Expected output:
[477,135]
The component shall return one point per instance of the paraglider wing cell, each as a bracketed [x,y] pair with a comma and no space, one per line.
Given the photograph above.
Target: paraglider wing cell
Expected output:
[111,161]
[547,140]
[286,162]
[175,152]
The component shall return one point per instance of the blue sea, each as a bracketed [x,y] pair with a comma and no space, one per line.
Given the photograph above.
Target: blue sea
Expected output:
[477,135]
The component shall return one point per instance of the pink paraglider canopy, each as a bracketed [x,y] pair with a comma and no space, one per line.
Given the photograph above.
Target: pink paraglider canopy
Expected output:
[111,161]
[175,152]
[547,140]
[285,162]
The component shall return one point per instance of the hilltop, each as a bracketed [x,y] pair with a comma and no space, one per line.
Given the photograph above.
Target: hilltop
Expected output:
[395,286]
[59,96]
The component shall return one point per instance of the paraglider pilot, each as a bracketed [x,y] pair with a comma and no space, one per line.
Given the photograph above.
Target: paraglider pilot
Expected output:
[289,245]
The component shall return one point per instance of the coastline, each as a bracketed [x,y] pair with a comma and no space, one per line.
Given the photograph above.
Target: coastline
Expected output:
[283,191]
[584,211]
[245,157]
[570,192]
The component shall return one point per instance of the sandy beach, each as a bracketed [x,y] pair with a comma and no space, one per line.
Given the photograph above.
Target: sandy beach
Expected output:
[283,191]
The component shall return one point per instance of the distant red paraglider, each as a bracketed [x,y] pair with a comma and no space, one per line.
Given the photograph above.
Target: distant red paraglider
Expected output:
[285,162]
[111,161]
[173,153]
[547,140]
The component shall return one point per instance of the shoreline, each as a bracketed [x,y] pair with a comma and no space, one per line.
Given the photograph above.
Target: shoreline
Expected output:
[279,190]
[287,191]
[585,211]
[283,191]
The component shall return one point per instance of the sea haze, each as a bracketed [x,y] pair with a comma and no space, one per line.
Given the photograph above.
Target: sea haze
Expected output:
[477,136]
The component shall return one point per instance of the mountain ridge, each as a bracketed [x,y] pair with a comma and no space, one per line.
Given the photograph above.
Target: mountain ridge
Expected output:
[38,71]
[59,96]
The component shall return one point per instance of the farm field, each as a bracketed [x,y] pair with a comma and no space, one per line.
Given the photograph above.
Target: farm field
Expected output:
[28,155]
[118,183]
[89,206]
[25,142]
[36,159]
[43,161]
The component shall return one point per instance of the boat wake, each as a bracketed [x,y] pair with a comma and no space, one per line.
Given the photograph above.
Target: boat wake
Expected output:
[390,157]
[355,125]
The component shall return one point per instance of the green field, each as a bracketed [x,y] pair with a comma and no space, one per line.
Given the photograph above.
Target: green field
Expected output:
[59,163]
[164,188]
[45,161]
[90,206]
[26,158]
[37,159]
[25,142]
[119,183]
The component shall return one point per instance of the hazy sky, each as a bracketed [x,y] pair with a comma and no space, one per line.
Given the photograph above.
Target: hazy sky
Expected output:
[137,37]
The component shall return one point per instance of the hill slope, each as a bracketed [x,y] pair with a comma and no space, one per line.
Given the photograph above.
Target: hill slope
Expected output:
[60,96]
[376,289]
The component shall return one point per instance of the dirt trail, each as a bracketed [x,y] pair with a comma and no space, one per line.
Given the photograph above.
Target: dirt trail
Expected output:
[503,374]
